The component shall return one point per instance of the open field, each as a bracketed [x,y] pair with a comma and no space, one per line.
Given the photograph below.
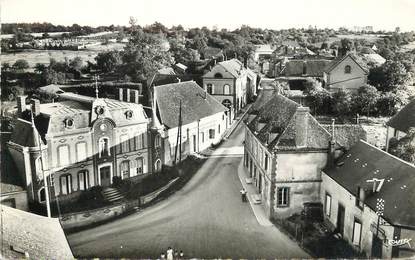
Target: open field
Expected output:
[367,37]
[44,56]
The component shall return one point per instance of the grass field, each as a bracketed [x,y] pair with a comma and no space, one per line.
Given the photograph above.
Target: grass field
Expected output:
[44,56]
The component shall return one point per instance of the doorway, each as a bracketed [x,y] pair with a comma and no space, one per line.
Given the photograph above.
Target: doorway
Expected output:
[105,175]
[194,144]
[340,219]
[377,245]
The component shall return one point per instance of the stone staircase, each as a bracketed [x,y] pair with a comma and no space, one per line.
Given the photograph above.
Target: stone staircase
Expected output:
[112,194]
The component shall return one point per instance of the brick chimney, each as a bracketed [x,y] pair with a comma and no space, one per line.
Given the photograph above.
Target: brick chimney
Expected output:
[301,122]
[35,106]
[21,105]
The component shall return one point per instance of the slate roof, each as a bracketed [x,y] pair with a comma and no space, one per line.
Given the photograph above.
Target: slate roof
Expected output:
[404,119]
[365,162]
[339,60]
[194,105]
[347,136]
[40,237]
[275,126]
[233,66]
[10,180]
[25,134]
[314,68]
[264,96]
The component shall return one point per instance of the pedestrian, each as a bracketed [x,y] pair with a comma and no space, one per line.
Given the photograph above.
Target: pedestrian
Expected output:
[169,253]
[162,256]
[176,254]
[243,194]
[181,254]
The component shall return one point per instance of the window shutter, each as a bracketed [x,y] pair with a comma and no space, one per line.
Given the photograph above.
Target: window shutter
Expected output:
[356,233]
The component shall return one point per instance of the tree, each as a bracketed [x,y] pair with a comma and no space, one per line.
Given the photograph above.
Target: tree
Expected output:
[388,104]
[40,68]
[143,56]
[20,65]
[5,66]
[365,100]
[405,147]
[388,76]
[108,61]
[76,63]
[341,105]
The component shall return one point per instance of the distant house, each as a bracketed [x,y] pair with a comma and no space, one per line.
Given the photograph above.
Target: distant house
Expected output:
[228,82]
[212,53]
[368,199]
[345,73]
[203,120]
[375,58]
[29,236]
[304,68]
[398,126]
[263,51]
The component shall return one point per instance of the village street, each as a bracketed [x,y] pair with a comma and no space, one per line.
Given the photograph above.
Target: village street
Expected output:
[206,219]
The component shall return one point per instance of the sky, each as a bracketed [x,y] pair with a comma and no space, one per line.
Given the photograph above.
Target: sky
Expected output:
[231,14]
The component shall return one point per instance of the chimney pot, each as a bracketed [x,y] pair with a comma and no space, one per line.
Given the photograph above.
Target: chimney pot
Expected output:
[35,106]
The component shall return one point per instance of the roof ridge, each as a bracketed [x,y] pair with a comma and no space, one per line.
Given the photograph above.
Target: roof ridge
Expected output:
[390,155]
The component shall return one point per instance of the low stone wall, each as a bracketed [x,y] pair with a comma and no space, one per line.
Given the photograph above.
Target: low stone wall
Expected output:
[91,217]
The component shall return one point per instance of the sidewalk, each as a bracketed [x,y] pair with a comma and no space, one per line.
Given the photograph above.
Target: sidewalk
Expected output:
[256,208]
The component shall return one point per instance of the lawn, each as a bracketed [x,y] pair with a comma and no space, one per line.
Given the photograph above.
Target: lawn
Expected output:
[44,56]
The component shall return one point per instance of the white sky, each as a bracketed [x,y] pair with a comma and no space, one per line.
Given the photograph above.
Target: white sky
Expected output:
[273,14]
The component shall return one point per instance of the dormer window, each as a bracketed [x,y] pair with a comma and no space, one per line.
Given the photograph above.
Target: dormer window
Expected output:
[69,122]
[129,114]
[347,69]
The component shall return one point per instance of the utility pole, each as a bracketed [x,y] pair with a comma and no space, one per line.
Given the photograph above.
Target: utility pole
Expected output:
[179,136]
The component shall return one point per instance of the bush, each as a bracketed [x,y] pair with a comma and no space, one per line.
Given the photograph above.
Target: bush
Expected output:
[91,194]
[117,181]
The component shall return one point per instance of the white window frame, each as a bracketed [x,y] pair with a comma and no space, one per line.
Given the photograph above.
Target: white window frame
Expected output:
[63,159]
[357,232]
[327,204]
[79,156]
[285,199]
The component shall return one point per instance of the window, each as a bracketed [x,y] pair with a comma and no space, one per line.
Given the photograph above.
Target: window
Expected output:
[63,155]
[218,75]
[360,197]
[218,129]
[211,133]
[157,141]
[66,184]
[83,180]
[124,143]
[42,195]
[158,165]
[69,123]
[38,164]
[81,154]
[203,137]
[125,169]
[266,162]
[209,88]
[328,204]
[104,147]
[357,232]
[129,114]
[139,162]
[347,69]
[283,196]
[226,89]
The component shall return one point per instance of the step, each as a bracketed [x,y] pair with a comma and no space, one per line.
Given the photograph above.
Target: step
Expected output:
[115,199]
[110,192]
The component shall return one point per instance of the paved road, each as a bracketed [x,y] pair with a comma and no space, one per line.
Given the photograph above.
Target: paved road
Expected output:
[206,219]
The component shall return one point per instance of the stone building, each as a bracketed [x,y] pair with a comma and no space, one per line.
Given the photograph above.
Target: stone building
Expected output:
[285,150]
[229,83]
[203,120]
[345,73]
[77,143]
[369,201]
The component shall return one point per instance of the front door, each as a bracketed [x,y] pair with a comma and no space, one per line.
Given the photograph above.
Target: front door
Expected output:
[340,219]
[105,175]
[377,245]
[259,183]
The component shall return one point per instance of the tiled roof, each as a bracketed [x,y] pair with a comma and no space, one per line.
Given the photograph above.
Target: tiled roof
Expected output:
[347,136]
[365,162]
[354,57]
[40,237]
[233,66]
[10,180]
[194,104]
[275,126]
[314,68]
[264,96]
[404,119]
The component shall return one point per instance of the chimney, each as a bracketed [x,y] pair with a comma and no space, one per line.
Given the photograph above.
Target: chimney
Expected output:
[35,106]
[128,95]
[301,123]
[21,105]
[120,92]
